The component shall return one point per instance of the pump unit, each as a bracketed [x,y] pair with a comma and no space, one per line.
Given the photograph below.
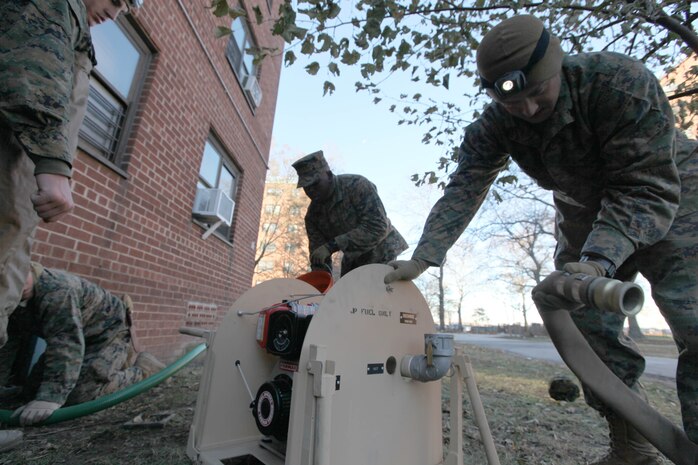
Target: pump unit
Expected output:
[298,375]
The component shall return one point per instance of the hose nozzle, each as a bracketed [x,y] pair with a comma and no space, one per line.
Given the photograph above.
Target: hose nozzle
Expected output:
[605,294]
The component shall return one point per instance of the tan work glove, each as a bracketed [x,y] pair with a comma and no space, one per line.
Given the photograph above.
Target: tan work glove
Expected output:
[35,411]
[405,270]
[590,268]
[320,255]
[547,299]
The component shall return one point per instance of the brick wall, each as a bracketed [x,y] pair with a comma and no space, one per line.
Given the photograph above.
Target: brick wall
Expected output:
[135,234]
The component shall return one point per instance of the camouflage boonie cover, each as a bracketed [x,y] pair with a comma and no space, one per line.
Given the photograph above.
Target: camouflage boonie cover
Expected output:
[354,216]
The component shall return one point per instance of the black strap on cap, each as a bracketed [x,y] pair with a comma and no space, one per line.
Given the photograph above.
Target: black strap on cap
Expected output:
[537,55]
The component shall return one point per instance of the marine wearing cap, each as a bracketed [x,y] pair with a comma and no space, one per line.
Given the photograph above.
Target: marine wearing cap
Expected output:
[517,52]
[310,168]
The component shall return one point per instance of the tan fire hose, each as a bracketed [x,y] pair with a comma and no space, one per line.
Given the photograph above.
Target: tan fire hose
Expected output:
[588,367]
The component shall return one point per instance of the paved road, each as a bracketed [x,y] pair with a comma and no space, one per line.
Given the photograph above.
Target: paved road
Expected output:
[545,350]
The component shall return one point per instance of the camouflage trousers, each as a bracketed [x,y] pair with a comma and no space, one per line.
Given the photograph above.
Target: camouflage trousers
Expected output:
[105,370]
[17,223]
[671,267]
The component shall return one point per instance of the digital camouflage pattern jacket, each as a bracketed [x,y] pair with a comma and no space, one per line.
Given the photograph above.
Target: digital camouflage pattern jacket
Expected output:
[43,43]
[69,313]
[355,218]
[610,153]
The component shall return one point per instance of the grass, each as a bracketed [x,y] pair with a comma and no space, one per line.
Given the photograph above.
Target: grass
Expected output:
[527,425]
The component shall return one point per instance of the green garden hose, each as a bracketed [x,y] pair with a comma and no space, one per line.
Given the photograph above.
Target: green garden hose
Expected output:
[93,406]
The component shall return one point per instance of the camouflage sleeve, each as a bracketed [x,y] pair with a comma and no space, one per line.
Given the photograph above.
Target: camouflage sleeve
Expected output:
[480,159]
[373,224]
[36,68]
[315,240]
[635,126]
[58,302]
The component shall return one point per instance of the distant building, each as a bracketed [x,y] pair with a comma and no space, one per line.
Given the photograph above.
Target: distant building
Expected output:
[684,78]
[173,110]
[282,243]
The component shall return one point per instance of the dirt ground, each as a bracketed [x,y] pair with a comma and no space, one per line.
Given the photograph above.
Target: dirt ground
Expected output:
[527,425]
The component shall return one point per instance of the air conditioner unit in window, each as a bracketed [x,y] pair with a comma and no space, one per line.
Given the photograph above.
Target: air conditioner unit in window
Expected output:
[253,91]
[213,206]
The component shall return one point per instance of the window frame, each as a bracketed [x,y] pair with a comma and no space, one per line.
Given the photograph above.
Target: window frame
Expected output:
[120,157]
[225,160]
[249,41]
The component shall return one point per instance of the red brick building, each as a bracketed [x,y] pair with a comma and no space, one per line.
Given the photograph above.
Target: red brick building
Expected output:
[172,110]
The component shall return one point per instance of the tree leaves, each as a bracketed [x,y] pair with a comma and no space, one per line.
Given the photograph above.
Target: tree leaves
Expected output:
[313,68]
[433,43]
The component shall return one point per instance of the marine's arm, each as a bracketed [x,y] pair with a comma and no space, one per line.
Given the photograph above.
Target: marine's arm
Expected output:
[481,159]
[36,79]
[316,239]
[62,328]
[635,125]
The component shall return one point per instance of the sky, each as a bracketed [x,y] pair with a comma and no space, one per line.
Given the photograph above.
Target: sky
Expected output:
[360,137]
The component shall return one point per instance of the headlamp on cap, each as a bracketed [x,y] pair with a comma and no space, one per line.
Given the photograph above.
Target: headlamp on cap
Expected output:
[515,81]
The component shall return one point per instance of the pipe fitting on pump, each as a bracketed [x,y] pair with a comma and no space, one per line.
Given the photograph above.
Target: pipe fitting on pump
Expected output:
[434,363]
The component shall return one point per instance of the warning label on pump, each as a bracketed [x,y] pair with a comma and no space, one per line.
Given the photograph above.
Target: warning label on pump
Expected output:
[407,318]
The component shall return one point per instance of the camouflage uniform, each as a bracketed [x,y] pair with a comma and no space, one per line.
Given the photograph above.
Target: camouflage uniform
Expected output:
[625,186]
[46,56]
[354,217]
[87,333]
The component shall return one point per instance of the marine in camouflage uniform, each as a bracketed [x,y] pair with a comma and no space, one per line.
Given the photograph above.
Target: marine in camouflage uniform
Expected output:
[625,185]
[349,216]
[46,56]
[87,334]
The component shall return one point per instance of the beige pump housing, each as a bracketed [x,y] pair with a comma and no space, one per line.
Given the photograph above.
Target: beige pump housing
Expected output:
[346,399]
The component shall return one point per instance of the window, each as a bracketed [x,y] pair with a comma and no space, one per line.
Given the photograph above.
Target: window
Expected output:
[269,227]
[292,228]
[240,53]
[288,267]
[237,51]
[294,210]
[115,86]
[218,172]
[272,209]
[271,247]
[265,265]
[289,247]
[273,191]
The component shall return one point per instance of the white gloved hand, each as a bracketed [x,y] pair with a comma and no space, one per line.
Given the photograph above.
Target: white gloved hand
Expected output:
[35,411]
[405,270]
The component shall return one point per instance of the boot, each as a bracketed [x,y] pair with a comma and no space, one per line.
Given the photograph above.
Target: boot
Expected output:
[628,446]
[9,439]
[148,364]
